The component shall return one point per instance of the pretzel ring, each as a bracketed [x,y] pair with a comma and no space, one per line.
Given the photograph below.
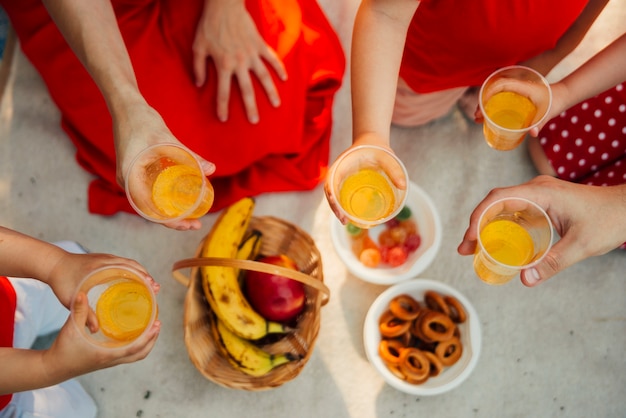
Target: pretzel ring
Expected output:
[392,327]
[415,327]
[436,366]
[395,370]
[407,338]
[414,365]
[435,302]
[437,326]
[404,307]
[449,352]
[389,351]
[457,313]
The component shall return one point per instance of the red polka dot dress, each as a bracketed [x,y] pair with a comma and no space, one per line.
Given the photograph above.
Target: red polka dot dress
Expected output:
[587,143]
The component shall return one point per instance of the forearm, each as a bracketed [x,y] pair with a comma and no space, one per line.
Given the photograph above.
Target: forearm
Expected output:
[546,61]
[92,32]
[24,256]
[604,70]
[378,41]
[26,370]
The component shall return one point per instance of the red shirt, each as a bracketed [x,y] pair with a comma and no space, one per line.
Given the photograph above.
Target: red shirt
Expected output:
[7,320]
[458,43]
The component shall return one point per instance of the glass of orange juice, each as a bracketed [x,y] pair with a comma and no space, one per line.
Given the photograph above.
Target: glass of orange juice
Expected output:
[513,100]
[123,302]
[361,189]
[513,234]
[165,183]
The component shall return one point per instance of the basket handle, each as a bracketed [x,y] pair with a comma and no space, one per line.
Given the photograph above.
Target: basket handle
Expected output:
[248,265]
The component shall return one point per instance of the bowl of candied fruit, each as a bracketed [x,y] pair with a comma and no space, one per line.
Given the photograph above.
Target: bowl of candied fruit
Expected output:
[395,251]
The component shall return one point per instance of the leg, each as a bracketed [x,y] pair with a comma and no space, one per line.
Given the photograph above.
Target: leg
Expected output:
[38,312]
[67,400]
[414,109]
[539,158]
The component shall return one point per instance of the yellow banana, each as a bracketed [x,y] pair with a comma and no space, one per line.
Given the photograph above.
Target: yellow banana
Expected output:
[250,247]
[248,250]
[246,356]
[220,284]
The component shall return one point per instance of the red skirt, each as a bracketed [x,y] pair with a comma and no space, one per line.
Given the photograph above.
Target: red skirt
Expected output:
[287,150]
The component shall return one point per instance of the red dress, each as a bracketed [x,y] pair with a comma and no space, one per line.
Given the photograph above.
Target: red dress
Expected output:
[458,43]
[7,320]
[587,143]
[287,150]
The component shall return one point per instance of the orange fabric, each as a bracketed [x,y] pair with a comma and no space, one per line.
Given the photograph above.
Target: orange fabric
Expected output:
[287,150]
[8,305]
[458,43]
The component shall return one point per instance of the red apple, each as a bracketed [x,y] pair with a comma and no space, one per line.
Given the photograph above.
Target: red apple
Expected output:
[275,297]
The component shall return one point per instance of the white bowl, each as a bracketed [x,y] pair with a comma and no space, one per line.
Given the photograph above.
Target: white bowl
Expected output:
[451,376]
[429,226]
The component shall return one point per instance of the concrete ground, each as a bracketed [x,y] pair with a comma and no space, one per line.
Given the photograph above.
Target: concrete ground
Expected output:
[552,351]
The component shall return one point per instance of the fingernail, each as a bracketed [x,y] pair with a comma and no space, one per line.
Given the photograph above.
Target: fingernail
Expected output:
[254,119]
[532,276]
[207,166]
[275,102]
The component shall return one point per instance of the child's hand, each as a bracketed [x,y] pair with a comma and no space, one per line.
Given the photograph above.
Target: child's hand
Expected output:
[71,268]
[71,355]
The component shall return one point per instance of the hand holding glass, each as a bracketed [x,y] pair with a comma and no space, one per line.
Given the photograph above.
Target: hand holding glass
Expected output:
[513,100]
[123,303]
[165,183]
[360,187]
[513,234]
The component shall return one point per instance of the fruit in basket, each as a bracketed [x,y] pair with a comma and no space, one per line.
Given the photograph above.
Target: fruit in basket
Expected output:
[220,284]
[248,250]
[246,356]
[275,297]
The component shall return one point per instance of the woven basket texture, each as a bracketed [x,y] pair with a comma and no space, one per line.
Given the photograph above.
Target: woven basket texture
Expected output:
[278,237]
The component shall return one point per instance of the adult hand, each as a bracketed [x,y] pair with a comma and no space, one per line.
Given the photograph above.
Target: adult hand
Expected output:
[227,34]
[591,220]
[137,128]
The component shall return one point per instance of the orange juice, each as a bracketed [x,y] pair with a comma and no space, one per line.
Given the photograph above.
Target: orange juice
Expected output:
[510,110]
[367,195]
[508,243]
[124,310]
[177,188]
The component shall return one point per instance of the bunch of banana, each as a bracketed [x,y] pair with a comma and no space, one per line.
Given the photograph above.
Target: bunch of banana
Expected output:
[245,355]
[221,284]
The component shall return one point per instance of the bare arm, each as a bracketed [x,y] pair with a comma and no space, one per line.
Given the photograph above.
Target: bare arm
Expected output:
[70,355]
[24,256]
[591,221]
[546,61]
[377,45]
[604,70]
[92,32]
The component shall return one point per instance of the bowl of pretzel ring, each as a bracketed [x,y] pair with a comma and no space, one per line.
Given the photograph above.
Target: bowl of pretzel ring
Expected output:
[422,336]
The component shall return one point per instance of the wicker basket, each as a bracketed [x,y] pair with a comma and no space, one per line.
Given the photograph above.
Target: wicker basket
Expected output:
[279,237]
